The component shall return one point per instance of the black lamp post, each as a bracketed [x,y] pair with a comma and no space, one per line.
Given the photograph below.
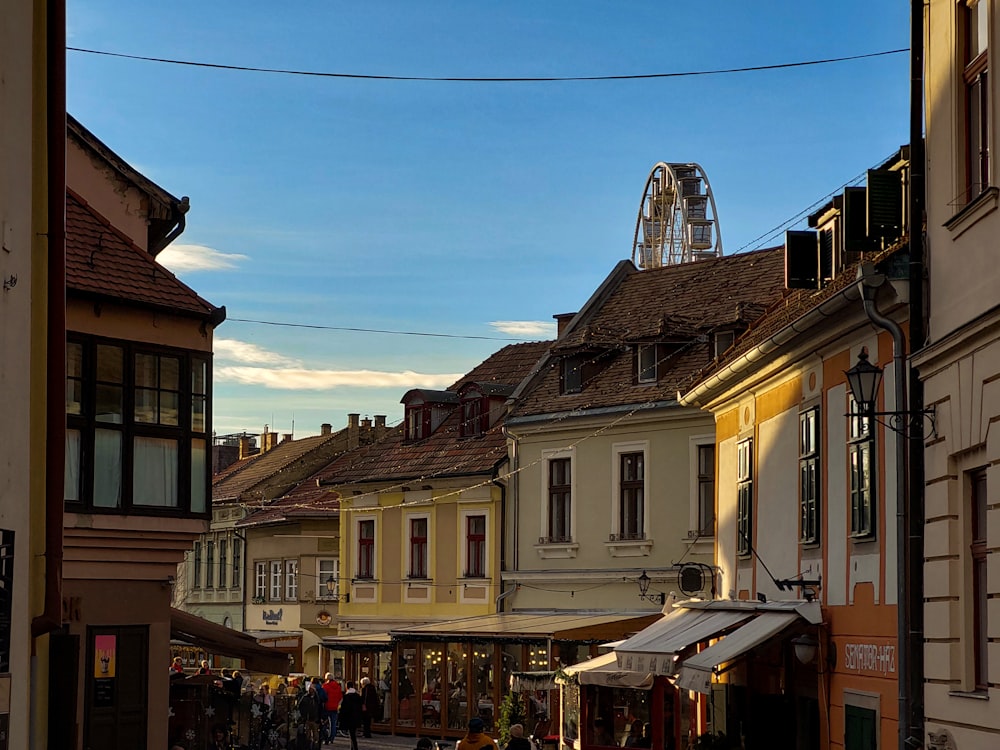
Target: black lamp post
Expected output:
[331,586]
[864,379]
[643,582]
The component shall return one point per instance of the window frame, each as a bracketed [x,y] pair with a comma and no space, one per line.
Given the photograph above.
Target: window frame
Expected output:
[418,547]
[365,558]
[559,498]
[223,548]
[978,557]
[83,420]
[633,491]
[260,580]
[475,412]
[237,579]
[861,456]
[571,374]
[744,497]
[326,567]
[276,580]
[209,563]
[975,86]
[475,563]
[417,422]
[810,492]
[647,372]
[290,566]
[704,481]
[196,567]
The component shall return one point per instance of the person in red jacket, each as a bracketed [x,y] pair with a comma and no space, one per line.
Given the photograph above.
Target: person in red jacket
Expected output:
[334,694]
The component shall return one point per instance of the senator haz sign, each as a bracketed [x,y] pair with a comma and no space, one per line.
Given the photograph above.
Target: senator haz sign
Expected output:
[875,658]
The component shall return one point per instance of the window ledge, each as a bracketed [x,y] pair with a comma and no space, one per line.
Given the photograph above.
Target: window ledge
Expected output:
[557,550]
[978,695]
[983,204]
[630,547]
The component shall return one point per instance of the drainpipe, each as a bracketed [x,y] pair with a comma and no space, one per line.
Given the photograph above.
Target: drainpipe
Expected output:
[55,383]
[870,283]
[914,721]
[503,595]
[246,564]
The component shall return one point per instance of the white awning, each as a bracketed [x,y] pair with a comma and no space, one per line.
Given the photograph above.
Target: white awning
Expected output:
[603,670]
[524,681]
[655,649]
[696,671]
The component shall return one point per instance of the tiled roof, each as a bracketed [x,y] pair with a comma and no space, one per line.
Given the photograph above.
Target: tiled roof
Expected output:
[678,304]
[267,466]
[443,454]
[795,304]
[101,260]
[234,467]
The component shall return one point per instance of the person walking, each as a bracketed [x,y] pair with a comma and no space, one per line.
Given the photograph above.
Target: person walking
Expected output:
[371,706]
[517,739]
[334,695]
[351,712]
[308,707]
[476,738]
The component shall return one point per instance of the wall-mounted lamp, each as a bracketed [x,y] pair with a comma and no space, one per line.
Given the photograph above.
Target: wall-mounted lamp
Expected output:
[643,581]
[168,582]
[805,647]
[331,585]
[864,380]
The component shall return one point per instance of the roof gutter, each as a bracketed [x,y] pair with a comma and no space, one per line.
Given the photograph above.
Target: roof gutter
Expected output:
[698,395]
[180,209]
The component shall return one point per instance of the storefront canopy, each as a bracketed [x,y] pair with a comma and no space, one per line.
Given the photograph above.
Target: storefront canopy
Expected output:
[524,681]
[358,641]
[218,639]
[517,627]
[604,671]
[655,649]
[696,671]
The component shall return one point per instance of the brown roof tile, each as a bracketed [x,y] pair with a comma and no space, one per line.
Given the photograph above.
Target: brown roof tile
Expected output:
[680,304]
[101,260]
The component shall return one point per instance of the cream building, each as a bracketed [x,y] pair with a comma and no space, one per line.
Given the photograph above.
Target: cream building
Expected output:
[960,368]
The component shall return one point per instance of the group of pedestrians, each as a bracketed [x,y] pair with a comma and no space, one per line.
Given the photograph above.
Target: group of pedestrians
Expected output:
[325,708]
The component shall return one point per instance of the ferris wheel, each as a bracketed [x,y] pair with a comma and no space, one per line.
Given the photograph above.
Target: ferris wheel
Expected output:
[677,219]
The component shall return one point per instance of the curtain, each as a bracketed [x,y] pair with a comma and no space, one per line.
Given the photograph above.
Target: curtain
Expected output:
[107,468]
[198,469]
[154,472]
[72,473]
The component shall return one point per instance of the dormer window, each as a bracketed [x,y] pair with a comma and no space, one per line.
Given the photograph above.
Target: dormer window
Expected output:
[475,414]
[572,374]
[723,340]
[418,420]
[645,362]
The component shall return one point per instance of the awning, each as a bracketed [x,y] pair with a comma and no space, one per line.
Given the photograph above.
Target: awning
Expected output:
[518,627]
[654,650]
[523,681]
[218,639]
[604,671]
[696,671]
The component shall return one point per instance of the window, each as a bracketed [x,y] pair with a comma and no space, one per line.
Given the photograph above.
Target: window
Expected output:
[861,720]
[706,490]
[223,552]
[723,340]
[572,374]
[237,581]
[645,362]
[475,415]
[631,505]
[197,566]
[327,571]
[137,428]
[475,546]
[859,449]
[744,497]
[418,547]
[977,554]
[209,564]
[809,476]
[366,548]
[974,30]
[259,580]
[560,497]
[276,575]
[291,580]
[418,422]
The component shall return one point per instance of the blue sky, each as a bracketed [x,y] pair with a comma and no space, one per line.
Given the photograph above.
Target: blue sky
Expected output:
[458,208]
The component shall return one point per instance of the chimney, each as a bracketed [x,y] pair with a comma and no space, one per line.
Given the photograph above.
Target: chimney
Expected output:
[326,429]
[379,426]
[246,446]
[353,431]
[562,320]
[286,437]
[267,441]
[366,423]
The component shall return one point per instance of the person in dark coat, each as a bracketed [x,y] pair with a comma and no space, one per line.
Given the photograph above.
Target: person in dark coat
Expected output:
[517,739]
[350,715]
[372,706]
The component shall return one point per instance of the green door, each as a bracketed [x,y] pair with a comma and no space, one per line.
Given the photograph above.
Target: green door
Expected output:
[860,728]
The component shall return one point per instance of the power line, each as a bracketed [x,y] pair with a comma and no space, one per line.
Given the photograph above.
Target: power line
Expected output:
[373,330]
[504,79]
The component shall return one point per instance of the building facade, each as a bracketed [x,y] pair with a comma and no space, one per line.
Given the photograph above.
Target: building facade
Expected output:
[959,367]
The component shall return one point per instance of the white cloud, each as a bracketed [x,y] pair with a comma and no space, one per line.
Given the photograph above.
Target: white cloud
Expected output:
[197,258]
[247,353]
[298,378]
[526,328]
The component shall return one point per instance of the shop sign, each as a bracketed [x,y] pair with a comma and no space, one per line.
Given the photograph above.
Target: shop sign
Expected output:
[874,658]
[272,616]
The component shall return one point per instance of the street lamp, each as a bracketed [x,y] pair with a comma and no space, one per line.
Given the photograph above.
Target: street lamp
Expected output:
[643,582]
[864,380]
[331,586]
